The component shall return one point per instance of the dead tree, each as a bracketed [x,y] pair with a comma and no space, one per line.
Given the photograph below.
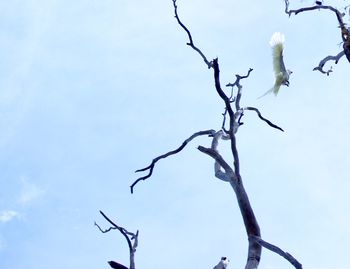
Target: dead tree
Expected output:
[131,239]
[230,173]
[344,32]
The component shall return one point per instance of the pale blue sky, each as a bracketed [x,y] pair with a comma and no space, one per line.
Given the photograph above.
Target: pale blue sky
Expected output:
[90,91]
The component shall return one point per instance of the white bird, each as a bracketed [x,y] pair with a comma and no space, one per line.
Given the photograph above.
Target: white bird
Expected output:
[222,263]
[281,73]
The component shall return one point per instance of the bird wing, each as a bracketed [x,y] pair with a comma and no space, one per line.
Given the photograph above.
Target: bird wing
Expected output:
[276,43]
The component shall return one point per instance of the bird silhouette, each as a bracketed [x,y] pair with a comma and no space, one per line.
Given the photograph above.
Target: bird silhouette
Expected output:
[116,265]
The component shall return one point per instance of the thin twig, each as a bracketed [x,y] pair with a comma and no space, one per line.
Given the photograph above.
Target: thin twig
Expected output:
[239,86]
[224,119]
[262,118]
[190,43]
[277,250]
[155,160]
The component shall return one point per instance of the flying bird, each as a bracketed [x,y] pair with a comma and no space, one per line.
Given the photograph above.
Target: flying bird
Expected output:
[222,263]
[116,265]
[281,73]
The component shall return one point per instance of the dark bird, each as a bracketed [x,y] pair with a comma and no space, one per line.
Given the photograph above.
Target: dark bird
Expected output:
[116,265]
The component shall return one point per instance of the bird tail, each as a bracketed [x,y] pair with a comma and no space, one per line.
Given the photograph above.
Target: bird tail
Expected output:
[276,39]
[266,93]
[274,89]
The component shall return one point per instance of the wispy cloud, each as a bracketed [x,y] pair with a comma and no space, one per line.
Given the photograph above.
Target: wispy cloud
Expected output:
[29,192]
[8,215]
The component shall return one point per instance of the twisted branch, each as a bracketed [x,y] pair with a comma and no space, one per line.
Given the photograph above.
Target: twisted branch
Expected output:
[190,43]
[163,156]
[264,119]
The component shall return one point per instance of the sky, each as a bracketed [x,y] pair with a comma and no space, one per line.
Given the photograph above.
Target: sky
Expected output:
[91,91]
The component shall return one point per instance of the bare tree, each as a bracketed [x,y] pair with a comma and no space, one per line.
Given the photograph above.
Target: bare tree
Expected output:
[344,32]
[232,119]
[231,122]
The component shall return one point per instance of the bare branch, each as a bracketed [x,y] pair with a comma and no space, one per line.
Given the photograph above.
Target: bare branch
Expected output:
[233,123]
[123,231]
[217,167]
[239,86]
[264,119]
[190,43]
[315,7]
[224,119]
[218,158]
[219,89]
[345,35]
[163,156]
[277,250]
[335,58]
[129,236]
[106,230]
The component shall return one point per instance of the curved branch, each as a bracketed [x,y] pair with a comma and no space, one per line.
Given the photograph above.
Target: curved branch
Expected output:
[277,250]
[335,58]
[191,44]
[129,236]
[264,119]
[163,156]
[316,7]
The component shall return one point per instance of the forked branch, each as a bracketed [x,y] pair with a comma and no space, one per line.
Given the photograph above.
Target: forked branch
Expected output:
[322,63]
[237,84]
[131,238]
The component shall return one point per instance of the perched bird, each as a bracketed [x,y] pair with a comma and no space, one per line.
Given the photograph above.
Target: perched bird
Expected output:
[116,265]
[222,263]
[281,73]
